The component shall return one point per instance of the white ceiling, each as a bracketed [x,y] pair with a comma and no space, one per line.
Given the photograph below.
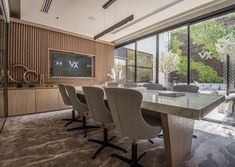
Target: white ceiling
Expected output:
[74,14]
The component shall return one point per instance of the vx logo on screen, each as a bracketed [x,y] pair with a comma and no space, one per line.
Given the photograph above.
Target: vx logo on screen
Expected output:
[73,64]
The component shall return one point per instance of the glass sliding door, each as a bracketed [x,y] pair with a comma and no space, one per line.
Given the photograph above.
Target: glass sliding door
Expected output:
[211,41]
[125,63]
[173,57]
[2,56]
[206,60]
[146,60]
[120,64]
[120,69]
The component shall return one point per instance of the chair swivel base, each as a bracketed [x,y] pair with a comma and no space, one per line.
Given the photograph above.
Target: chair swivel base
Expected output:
[194,136]
[71,120]
[134,160]
[84,126]
[105,143]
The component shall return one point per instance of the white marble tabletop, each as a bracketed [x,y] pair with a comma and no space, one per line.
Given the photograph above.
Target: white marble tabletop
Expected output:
[192,105]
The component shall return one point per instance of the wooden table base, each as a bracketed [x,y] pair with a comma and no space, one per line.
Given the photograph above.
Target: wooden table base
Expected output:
[178,133]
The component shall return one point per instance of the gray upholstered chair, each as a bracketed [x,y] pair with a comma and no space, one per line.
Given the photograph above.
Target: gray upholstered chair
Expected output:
[67,101]
[125,107]
[153,86]
[130,85]
[186,88]
[100,113]
[81,108]
[112,84]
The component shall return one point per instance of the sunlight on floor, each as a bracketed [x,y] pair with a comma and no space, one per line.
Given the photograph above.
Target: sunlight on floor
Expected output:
[215,128]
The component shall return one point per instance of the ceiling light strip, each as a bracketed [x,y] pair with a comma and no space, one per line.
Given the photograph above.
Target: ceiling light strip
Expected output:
[148,15]
[117,25]
[109,3]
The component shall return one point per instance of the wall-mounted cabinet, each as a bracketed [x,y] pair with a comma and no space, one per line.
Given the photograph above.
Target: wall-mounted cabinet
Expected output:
[33,100]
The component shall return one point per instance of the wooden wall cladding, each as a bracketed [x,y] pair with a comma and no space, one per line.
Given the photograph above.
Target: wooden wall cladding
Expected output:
[29,44]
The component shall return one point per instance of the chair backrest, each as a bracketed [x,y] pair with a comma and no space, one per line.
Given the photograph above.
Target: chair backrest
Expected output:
[112,84]
[125,107]
[130,85]
[76,103]
[95,100]
[186,88]
[153,86]
[64,94]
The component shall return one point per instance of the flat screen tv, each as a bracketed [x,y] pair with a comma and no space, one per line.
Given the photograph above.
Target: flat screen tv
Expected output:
[66,64]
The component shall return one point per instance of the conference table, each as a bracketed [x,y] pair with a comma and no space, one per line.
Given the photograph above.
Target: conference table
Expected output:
[178,115]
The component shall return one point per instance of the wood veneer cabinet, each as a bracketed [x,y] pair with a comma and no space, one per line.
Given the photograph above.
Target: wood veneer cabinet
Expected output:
[32,100]
[21,101]
[47,100]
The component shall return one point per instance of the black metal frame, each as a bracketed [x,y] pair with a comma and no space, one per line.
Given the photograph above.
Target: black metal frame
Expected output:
[117,25]
[228,74]
[105,143]
[135,66]
[71,120]
[208,16]
[5,69]
[5,76]
[188,24]
[84,126]
[189,53]
[134,157]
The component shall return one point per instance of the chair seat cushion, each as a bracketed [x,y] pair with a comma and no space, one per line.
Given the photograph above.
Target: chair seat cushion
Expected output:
[151,117]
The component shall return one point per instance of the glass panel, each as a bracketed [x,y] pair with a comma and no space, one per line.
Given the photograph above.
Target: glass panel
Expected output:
[208,52]
[211,41]
[144,74]
[130,74]
[2,54]
[120,68]
[125,56]
[146,57]
[130,57]
[173,57]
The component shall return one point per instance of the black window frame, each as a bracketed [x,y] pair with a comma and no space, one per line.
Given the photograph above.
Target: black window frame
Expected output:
[187,23]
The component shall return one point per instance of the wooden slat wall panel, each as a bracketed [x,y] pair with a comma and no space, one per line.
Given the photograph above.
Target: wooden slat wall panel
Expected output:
[105,63]
[28,45]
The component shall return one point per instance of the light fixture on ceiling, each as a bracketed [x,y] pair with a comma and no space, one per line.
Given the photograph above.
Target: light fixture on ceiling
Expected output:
[119,24]
[148,15]
[46,6]
[116,25]
[109,3]
[5,10]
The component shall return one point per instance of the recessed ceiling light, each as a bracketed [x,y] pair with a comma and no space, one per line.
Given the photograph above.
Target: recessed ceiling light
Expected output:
[91,18]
